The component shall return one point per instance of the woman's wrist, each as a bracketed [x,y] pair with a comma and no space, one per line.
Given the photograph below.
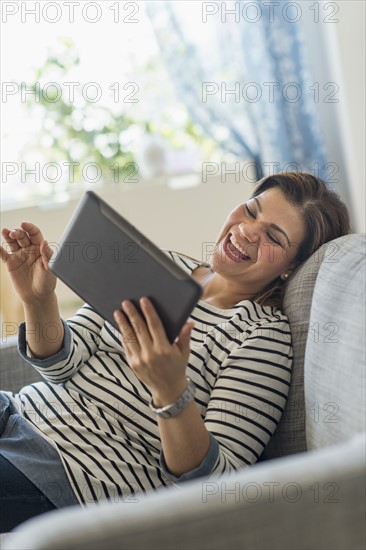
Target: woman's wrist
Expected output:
[174,409]
[44,328]
[39,303]
[163,397]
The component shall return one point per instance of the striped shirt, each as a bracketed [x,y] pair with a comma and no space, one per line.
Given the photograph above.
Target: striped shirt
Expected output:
[96,412]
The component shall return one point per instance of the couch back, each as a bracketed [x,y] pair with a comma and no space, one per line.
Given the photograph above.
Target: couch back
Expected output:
[335,357]
[315,285]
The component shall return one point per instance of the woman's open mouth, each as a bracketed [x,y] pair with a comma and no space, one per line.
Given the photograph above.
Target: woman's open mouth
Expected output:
[232,252]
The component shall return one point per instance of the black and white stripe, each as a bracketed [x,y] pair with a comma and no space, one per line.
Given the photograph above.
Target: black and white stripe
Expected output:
[96,411]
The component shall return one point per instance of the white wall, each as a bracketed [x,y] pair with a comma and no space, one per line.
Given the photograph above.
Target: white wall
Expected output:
[337,55]
[350,34]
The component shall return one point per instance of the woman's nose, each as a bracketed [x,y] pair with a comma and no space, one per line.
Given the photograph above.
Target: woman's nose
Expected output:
[249,232]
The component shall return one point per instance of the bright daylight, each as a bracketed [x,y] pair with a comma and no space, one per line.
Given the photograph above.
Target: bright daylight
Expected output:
[182,304]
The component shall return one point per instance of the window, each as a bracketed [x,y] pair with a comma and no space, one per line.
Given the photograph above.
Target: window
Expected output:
[87,101]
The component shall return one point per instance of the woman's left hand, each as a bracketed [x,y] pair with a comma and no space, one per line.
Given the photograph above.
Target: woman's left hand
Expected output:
[155,361]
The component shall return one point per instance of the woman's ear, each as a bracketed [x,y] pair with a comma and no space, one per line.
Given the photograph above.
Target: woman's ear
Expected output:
[286,274]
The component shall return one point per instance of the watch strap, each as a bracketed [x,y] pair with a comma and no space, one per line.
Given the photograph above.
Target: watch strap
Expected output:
[174,409]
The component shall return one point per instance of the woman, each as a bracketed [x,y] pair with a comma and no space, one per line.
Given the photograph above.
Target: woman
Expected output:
[124,413]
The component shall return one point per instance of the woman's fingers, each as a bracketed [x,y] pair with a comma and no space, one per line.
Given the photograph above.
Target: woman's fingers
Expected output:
[21,237]
[151,329]
[4,254]
[128,335]
[132,327]
[46,253]
[156,327]
[148,328]
[11,241]
[33,231]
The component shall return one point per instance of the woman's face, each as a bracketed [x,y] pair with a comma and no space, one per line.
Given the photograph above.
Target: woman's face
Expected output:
[268,230]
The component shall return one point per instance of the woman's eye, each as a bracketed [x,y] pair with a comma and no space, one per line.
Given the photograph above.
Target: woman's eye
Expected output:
[273,240]
[251,214]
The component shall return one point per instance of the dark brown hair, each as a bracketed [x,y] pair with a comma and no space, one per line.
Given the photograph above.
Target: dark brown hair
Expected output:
[325,217]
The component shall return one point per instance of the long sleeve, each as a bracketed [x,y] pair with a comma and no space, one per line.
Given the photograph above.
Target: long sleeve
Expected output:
[81,340]
[249,396]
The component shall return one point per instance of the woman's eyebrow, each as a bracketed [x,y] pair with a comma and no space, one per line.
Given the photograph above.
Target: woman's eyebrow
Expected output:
[273,225]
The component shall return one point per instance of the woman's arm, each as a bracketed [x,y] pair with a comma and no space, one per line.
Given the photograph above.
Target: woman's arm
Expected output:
[44,328]
[81,338]
[250,394]
[245,405]
[54,348]
[184,438]
[162,366]
[243,412]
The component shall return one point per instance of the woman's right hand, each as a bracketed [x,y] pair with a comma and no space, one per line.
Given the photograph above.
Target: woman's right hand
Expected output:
[27,263]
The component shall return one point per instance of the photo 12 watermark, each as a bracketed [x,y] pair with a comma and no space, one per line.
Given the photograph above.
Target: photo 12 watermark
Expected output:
[269,12]
[253,251]
[70,92]
[70,12]
[246,171]
[269,491]
[271,92]
[89,492]
[55,172]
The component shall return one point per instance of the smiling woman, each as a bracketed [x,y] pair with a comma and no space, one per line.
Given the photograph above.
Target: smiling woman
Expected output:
[124,412]
[263,241]
[322,213]
[252,228]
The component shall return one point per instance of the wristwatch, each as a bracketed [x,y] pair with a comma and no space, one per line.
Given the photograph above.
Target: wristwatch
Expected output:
[172,410]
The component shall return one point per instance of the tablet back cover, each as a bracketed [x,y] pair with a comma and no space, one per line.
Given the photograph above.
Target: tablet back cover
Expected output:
[105,260]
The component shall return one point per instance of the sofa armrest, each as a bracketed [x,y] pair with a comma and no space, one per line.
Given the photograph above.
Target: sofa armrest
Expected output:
[14,371]
[313,500]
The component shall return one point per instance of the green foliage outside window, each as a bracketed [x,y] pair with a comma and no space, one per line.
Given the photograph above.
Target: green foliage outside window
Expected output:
[107,135]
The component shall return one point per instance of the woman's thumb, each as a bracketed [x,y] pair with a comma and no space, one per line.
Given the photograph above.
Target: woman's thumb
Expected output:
[46,253]
[185,337]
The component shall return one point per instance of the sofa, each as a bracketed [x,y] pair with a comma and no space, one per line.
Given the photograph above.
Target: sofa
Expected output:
[307,491]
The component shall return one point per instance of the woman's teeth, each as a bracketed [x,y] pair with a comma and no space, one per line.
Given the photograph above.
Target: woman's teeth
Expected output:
[234,249]
[239,248]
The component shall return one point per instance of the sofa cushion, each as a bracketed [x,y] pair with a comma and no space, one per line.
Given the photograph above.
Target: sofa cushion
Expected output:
[15,372]
[315,500]
[335,351]
[289,436]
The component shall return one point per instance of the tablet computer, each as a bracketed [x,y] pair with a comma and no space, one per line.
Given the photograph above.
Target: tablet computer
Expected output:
[105,260]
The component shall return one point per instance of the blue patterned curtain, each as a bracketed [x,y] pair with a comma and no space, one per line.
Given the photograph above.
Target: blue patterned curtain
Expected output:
[241,70]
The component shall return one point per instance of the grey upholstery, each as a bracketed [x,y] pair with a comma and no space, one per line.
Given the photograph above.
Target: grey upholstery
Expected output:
[289,436]
[313,500]
[14,373]
[335,376]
